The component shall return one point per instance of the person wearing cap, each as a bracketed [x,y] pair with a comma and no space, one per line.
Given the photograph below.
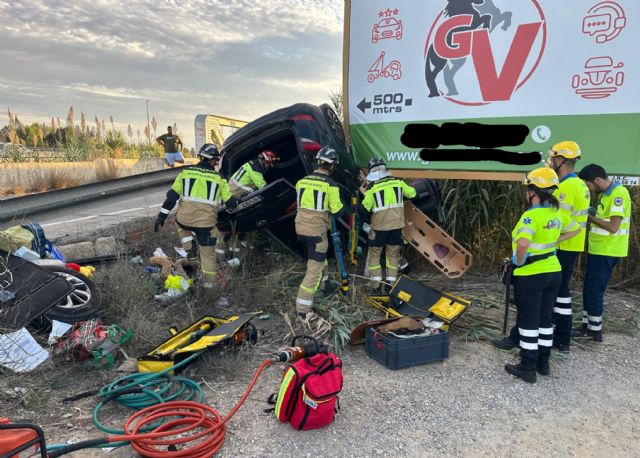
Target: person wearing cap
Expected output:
[318,199]
[609,225]
[199,191]
[384,199]
[574,199]
[537,272]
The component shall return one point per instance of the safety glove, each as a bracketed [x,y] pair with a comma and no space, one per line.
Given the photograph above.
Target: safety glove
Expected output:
[159,221]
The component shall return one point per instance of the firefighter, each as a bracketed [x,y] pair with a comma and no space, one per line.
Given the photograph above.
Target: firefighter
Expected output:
[250,177]
[609,224]
[384,199]
[537,272]
[574,198]
[318,199]
[247,179]
[199,190]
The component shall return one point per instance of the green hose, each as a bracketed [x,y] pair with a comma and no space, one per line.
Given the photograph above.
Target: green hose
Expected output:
[141,390]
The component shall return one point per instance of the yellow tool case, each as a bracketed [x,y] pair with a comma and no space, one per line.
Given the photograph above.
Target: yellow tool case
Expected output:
[411,298]
[207,332]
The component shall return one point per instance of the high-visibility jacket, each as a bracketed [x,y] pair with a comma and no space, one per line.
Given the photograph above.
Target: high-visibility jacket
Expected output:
[317,197]
[574,198]
[248,178]
[385,200]
[200,190]
[542,226]
[615,201]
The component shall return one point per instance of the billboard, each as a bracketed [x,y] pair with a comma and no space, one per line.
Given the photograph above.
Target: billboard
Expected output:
[490,85]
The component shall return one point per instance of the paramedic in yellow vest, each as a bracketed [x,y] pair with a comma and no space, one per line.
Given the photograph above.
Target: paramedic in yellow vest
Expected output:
[609,224]
[247,179]
[199,191]
[384,199]
[537,272]
[318,199]
[574,199]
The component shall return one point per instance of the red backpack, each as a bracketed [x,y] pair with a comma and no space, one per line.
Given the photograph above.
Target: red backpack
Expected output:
[309,392]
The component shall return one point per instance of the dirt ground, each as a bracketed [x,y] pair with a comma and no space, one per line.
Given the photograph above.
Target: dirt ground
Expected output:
[466,405]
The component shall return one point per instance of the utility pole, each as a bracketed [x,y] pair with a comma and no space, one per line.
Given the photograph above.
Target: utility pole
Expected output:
[148,126]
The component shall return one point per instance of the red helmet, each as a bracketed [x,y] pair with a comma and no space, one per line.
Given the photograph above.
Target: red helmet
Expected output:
[268,156]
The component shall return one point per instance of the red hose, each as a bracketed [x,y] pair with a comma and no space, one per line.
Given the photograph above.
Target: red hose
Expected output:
[198,429]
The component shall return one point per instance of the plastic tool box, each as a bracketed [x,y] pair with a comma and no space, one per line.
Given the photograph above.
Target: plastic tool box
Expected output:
[398,352]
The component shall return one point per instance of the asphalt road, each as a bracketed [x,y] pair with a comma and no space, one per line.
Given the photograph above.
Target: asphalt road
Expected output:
[100,214]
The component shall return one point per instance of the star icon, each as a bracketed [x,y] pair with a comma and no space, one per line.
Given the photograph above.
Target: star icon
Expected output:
[395,12]
[388,12]
[381,14]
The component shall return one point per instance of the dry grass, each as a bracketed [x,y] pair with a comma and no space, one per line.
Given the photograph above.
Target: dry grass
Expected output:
[106,169]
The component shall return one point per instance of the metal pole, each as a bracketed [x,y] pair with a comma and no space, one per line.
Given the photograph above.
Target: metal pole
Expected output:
[148,126]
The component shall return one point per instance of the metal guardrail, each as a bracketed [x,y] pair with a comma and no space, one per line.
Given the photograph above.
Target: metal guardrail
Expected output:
[36,203]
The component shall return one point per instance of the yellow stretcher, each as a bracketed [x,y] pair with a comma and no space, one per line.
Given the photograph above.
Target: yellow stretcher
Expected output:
[411,298]
[207,332]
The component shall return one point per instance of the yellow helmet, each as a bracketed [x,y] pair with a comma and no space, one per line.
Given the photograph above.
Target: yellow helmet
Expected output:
[543,178]
[566,149]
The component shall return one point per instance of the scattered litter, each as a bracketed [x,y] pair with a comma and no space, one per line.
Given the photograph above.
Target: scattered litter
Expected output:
[175,286]
[153,269]
[159,253]
[87,271]
[181,252]
[58,329]
[6,296]
[20,352]
[265,317]
[235,262]
[222,302]
[25,253]
[136,260]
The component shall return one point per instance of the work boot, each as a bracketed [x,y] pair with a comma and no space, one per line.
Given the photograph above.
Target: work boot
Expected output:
[595,335]
[504,344]
[562,348]
[192,253]
[378,291]
[329,287]
[582,331]
[524,370]
[542,365]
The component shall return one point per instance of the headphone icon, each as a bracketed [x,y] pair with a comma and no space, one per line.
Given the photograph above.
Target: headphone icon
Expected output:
[604,20]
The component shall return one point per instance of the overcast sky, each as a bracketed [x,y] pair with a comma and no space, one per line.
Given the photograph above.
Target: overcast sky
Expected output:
[236,58]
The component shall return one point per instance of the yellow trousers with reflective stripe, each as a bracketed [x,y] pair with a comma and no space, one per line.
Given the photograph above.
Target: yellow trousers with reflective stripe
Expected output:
[313,277]
[186,238]
[391,261]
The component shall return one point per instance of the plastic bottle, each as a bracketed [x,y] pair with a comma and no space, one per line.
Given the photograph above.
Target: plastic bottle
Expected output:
[153,269]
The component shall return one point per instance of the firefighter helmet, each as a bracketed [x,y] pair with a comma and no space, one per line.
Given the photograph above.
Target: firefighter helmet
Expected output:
[209,151]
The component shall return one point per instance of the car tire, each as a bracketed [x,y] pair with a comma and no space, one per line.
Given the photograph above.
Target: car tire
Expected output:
[83,304]
[334,123]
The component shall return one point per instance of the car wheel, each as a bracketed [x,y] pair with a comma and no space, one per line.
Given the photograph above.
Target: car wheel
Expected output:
[334,122]
[83,303]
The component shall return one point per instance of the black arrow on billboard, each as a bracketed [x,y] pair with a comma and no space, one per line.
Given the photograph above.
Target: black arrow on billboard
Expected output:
[363,105]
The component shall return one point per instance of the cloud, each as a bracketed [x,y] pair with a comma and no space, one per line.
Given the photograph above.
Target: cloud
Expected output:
[239,58]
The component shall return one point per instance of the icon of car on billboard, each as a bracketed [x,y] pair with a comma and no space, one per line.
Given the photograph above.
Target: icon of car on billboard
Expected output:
[387,28]
[600,79]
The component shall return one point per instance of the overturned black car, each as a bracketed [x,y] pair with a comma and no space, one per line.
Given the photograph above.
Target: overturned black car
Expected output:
[295,134]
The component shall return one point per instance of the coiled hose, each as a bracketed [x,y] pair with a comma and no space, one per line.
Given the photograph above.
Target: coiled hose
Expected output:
[163,423]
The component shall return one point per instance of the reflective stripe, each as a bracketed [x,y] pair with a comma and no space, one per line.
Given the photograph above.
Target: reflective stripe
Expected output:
[308,290]
[528,230]
[543,246]
[391,278]
[545,331]
[562,311]
[595,319]
[241,186]
[600,231]
[528,346]
[165,211]
[624,220]
[582,225]
[570,227]
[563,300]
[581,212]
[303,301]
[387,207]
[186,239]
[376,278]
[528,332]
[199,200]
[219,251]
[616,209]
[545,343]
[212,191]
[206,272]
[566,207]
[374,267]
[591,327]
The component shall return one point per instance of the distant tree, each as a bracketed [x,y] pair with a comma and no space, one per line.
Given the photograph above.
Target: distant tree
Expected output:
[154,125]
[336,101]
[130,133]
